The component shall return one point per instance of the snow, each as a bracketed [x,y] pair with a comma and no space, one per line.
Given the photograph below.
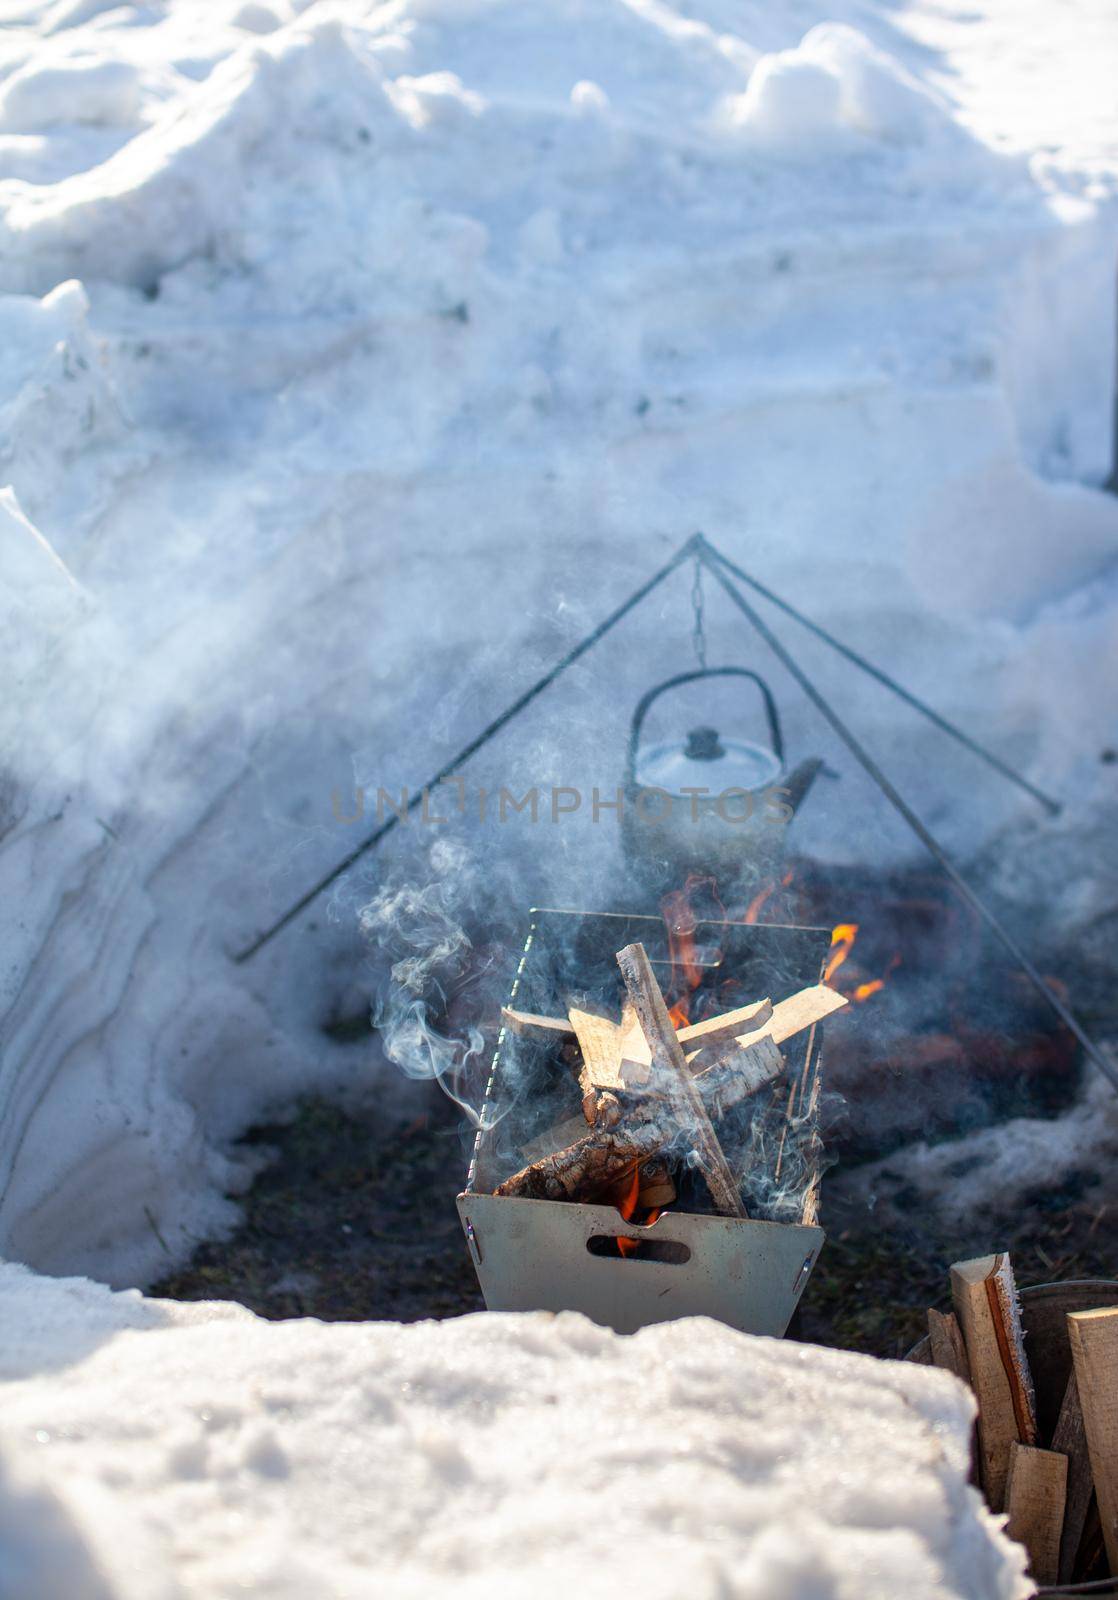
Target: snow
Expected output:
[354,360]
[357,358]
[992,1173]
[152,1450]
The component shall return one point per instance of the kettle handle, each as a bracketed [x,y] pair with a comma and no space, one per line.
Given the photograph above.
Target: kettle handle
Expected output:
[645,702]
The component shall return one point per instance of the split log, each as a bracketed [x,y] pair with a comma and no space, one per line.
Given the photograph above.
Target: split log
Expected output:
[803,1010]
[945,1340]
[789,1017]
[746,1019]
[670,1065]
[985,1297]
[636,1058]
[525,1022]
[636,1062]
[656,1188]
[737,1076]
[1035,1487]
[599,1039]
[1070,1439]
[599,1159]
[694,1036]
[1094,1350]
[743,1026]
[557,1137]
[619,1141]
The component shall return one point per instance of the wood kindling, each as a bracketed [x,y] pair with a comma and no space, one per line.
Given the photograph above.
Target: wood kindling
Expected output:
[599,1039]
[669,1064]
[644,1093]
[696,1036]
[620,1139]
[527,1022]
[618,1056]
[803,1010]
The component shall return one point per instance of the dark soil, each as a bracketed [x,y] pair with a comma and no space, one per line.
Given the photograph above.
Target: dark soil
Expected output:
[354,1222]
[871,1287]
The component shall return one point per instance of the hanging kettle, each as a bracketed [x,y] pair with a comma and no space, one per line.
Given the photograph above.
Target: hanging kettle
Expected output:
[706,803]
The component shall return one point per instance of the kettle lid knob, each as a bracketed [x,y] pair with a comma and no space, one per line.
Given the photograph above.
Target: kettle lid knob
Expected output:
[703,744]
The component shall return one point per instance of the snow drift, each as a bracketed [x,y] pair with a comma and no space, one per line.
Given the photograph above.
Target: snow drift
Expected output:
[153,1449]
[406,337]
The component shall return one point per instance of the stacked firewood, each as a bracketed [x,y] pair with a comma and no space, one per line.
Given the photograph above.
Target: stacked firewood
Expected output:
[1060,1493]
[649,1090]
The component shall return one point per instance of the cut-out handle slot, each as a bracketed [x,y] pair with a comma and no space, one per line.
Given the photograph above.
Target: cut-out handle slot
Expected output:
[668,1251]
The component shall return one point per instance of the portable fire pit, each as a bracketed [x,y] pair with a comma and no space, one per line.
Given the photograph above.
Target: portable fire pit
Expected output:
[573,1107]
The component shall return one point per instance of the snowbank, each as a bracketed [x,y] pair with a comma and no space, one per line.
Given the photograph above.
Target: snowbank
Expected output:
[407,337]
[153,1449]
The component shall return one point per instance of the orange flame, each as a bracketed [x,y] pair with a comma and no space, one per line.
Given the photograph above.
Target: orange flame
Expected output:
[875,985]
[763,896]
[843,936]
[757,904]
[627,1205]
[679,921]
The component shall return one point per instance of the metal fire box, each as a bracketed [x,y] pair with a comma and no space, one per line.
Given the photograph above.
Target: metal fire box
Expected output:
[552,1256]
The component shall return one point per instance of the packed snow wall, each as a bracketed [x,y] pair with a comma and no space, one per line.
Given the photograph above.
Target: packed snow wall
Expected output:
[357,359]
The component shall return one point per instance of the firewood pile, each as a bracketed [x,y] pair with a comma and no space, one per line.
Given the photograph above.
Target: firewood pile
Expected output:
[653,1093]
[1059,1489]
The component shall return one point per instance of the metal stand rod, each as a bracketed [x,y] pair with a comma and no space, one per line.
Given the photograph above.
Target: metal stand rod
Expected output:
[1093,1052]
[933,716]
[475,744]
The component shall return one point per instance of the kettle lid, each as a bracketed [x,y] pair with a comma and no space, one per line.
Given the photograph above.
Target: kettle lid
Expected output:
[707,761]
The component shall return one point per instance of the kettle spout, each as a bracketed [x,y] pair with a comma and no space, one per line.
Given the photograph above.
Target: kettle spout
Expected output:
[798,782]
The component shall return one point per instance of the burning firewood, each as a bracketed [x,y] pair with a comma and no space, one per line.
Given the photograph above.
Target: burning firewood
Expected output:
[642,1090]
[634,1047]
[618,1056]
[605,1066]
[781,1022]
[696,1036]
[618,1142]
[602,1068]
[557,1137]
[803,1010]
[655,1187]
[669,1065]
[612,1149]
[525,1022]
[636,1064]
[985,1297]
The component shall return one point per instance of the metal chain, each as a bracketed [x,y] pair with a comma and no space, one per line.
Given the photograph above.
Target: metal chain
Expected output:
[698,634]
